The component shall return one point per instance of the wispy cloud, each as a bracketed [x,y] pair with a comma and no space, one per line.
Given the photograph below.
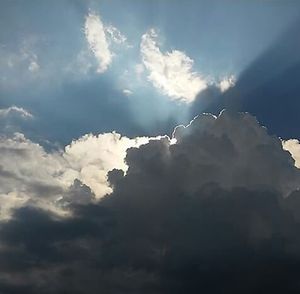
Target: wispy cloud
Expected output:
[5,112]
[226,83]
[100,38]
[95,34]
[115,35]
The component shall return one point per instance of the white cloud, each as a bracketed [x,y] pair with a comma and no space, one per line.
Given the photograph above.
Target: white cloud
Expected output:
[28,173]
[227,83]
[91,157]
[95,34]
[115,35]
[293,146]
[5,112]
[170,72]
[127,92]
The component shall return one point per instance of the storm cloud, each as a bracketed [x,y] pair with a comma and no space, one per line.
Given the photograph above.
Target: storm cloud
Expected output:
[215,209]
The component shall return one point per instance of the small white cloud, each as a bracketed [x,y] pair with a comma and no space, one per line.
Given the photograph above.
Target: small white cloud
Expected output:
[227,83]
[170,72]
[127,92]
[33,66]
[5,112]
[115,35]
[95,34]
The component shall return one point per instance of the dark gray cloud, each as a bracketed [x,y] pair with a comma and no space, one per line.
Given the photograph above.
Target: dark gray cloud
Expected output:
[217,212]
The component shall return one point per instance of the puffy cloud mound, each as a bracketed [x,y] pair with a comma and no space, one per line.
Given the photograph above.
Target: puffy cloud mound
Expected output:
[30,174]
[215,212]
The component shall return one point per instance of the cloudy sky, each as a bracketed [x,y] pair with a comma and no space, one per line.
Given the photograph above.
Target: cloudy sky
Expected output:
[149,146]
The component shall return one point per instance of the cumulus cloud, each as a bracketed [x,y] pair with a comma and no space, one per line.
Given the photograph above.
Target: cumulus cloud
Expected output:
[91,157]
[215,209]
[231,150]
[170,72]
[30,174]
[95,34]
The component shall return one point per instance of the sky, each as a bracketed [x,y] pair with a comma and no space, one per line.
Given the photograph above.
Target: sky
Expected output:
[149,146]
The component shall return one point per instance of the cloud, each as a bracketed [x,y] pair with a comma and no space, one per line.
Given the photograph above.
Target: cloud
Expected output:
[47,179]
[227,83]
[171,72]
[293,146]
[95,34]
[14,110]
[100,38]
[115,35]
[127,92]
[218,211]
[231,150]
[13,119]
[91,157]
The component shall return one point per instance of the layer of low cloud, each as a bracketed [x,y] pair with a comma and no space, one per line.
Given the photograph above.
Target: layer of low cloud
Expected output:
[217,211]
[170,72]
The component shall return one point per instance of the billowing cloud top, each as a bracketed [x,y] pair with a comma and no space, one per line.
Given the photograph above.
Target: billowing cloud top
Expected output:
[218,203]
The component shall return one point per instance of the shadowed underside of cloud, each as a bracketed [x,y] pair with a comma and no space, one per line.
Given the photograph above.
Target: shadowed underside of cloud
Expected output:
[215,212]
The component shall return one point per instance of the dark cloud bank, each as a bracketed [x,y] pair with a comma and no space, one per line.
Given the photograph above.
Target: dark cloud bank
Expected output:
[218,212]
